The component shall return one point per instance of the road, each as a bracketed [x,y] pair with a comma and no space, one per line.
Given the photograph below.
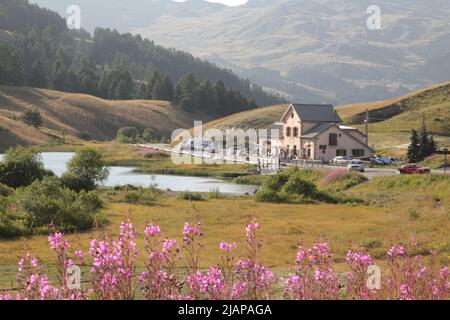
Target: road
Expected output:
[369,172]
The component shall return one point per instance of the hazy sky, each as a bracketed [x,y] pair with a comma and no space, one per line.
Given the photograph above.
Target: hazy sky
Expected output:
[227,2]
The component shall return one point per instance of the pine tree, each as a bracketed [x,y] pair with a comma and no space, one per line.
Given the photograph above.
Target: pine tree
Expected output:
[414,148]
[142,92]
[59,75]
[153,79]
[38,76]
[432,147]
[163,89]
[424,142]
[187,93]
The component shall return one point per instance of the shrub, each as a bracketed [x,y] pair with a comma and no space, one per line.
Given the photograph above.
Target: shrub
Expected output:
[5,190]
[413,214]
[85,170]
[128,135]
[85,136]
[48,202]
[21,166]
[215,194]
[297,186]
[142,196]
[191,196]
[292,187]
[32,117]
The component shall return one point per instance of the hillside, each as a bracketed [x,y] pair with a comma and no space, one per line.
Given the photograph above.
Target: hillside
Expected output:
[392,119]
[80,113]
[38,50]
[319,50]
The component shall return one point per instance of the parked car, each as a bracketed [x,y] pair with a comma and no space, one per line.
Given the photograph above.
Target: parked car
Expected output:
[340,160]
[377,162]
[356,165]
[391,160]
[413,169]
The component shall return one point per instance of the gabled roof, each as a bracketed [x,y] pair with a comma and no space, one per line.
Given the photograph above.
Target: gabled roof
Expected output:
[318,129]
[317,112]
[275,128]
[322,127]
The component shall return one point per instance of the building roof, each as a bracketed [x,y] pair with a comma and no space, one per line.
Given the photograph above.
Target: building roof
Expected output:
[316,130]
[317,112]
[276,128]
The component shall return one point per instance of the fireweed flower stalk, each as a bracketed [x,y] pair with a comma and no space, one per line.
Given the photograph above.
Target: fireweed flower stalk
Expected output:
[254,281]
[33,284]
[411,279]
[64,260]
[160,281]
[114,264]
[357,288]
[315,278]
[191,234]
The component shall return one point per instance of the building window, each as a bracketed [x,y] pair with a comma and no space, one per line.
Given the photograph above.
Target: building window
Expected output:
[288,131]
[341,153]
[358,152]
[295,132]
[323,148]
[292,115]
[333,139]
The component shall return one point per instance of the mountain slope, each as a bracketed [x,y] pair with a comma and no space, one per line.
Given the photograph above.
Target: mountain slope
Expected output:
[312,50]
[320,50]
[37,49]
[80,113]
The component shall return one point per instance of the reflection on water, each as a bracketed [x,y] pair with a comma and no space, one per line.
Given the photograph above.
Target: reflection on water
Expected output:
[57,162]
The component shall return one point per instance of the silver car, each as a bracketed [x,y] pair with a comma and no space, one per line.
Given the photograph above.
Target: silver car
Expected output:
[356,165]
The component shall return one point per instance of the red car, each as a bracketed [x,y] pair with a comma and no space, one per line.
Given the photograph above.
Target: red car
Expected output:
[413,169]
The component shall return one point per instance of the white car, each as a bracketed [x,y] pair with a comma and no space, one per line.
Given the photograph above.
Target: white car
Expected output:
[339,160]
[356,165]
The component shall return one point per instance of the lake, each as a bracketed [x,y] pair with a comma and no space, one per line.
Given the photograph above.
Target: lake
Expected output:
[119,176]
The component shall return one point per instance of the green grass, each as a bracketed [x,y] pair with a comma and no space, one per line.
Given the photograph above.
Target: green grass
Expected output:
[397,208]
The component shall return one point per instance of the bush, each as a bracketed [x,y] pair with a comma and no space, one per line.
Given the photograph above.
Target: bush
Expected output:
[5,190]
[85,170]
[293,187]
[32,117]
[268,195]
[215,194]
[85,136]
[128,135]
[297,186]
[142,196]
[191,196]
[48,202]
[21,166]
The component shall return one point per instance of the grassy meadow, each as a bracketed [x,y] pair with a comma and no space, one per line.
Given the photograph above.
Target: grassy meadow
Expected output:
[394,210]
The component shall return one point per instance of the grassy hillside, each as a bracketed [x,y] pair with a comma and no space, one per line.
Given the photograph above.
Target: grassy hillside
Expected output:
[258,118]
[80,113]
[396,117]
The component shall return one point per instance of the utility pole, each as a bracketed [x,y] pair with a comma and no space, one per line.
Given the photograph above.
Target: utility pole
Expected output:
[367,127]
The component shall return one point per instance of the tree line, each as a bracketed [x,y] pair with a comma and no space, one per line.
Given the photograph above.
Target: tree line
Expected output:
[422,145]
[40,51]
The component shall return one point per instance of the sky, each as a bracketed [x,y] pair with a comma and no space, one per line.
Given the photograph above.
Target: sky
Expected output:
[226,2]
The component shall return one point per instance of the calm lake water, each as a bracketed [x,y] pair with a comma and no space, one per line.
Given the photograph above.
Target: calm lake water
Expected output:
[57,161]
